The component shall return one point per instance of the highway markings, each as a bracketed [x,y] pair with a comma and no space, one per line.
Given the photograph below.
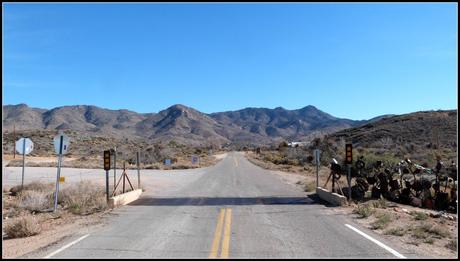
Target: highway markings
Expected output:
[236,162]
[224,215]
[227,234]
[66,246]
[380,244]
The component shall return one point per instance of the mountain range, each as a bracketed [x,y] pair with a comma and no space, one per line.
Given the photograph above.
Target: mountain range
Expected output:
[181,123]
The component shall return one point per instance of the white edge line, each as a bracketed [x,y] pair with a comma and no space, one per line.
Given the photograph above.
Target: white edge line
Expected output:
[380,244]
[66,246]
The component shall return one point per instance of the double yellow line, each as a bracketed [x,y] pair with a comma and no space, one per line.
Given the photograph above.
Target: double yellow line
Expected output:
[224,215]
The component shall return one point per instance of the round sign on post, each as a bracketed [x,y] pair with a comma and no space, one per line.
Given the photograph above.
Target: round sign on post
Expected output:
[29,146]
[65,143]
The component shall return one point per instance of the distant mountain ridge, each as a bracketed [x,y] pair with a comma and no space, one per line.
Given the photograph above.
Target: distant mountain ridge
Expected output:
[180,123]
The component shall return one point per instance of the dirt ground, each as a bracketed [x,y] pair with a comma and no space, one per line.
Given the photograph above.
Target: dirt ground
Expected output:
[406,222]
[53,229]
[96,162]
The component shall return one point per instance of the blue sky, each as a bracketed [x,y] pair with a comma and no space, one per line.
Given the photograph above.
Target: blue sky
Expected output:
[354,61]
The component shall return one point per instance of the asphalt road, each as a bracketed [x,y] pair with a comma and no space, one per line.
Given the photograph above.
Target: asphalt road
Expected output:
[233,209]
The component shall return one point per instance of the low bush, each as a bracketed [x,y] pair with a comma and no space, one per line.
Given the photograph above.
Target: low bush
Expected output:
[452,245]
[83,198]
[34,200]
[419,215]
[399,231]
[380,203]
[24,226]
[382,221]
[309,187]
[364,210]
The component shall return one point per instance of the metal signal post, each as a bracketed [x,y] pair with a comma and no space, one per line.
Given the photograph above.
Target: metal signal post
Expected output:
[349,161]
[107,168]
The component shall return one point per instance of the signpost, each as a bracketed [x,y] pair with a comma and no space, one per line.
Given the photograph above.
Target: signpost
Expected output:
[317,160]
[61,146]
[107,168]
[194,159]
[138,170]
[349,161]
[114,166]
[167,162]
[24,146]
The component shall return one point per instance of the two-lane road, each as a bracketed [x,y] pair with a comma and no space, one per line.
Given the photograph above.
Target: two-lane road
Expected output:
[234,209]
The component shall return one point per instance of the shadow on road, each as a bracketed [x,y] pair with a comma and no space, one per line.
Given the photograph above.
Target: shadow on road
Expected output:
[206,201]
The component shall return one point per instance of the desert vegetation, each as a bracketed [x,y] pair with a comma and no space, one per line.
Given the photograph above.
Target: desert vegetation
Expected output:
[26,208]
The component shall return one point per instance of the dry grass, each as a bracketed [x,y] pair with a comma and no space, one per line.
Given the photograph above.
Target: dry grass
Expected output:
[35,200]
[83,198]
[24,226]
[309,187]
[419,215]
[34,186]
[364,210]
[382,221]
[380,203]
[398,231]
[452,245]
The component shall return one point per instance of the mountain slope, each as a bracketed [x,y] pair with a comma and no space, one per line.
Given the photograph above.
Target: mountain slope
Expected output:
[180,123]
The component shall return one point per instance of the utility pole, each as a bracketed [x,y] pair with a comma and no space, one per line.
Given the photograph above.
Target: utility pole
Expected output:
[14,141]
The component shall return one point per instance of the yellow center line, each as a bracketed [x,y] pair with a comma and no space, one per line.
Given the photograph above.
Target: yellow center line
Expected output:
[227,234]
[217,234]
[236,162]
[224,216]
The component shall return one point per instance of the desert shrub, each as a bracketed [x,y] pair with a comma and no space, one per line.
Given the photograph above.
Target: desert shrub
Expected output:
[34,200]
[24,226]
[152,166]
[452,245]
[424,231]
[83,198]
[380,203]
[382,221]
[399,231]
[183,167]
[419,215]
[35,186]
[309,187]
[364,210]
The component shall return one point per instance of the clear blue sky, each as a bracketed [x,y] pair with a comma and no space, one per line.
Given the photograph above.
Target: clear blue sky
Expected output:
[354,61]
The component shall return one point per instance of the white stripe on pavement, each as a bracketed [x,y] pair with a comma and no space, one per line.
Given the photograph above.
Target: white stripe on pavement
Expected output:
[380,244]
[66,246]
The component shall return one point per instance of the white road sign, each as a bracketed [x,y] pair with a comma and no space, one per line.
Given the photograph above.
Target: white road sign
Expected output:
[20,146]
[65,143]
[317,155]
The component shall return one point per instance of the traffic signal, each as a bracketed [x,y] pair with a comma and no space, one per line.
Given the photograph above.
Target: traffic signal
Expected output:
[349,153]
[106,159]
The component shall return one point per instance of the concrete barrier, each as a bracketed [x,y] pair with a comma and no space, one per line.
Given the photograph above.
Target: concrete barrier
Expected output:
[333,198]
[125,198]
